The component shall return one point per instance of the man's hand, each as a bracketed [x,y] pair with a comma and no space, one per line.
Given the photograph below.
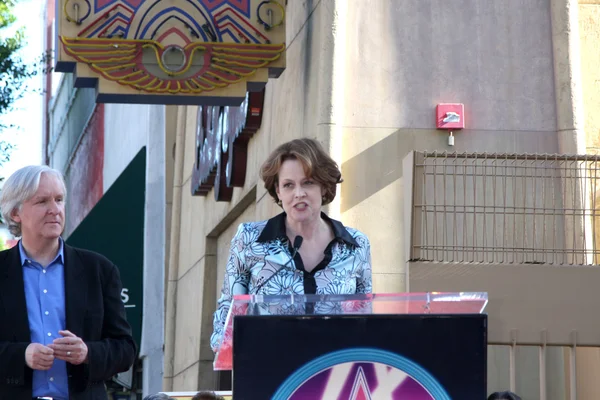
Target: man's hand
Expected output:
[70,348]
[39,357]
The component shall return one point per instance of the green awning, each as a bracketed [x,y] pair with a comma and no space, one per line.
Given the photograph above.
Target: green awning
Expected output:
[115,229]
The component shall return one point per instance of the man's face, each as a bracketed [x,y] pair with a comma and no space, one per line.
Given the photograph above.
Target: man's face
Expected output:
[43,215]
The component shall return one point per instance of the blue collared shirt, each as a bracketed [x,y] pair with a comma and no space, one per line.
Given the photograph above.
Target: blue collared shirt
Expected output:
[45,297]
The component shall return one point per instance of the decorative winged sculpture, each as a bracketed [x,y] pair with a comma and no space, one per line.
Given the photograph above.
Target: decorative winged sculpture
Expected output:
[172,52]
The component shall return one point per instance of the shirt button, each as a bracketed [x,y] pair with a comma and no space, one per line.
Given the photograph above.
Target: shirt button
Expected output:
[49,334]
[51,379]
[47,313]
[45,291]
[44,271]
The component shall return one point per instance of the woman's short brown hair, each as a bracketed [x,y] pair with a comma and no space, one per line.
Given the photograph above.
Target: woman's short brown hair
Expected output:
[318,165]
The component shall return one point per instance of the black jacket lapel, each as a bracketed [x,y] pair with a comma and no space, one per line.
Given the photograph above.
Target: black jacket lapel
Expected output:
[75,290]
[12,294]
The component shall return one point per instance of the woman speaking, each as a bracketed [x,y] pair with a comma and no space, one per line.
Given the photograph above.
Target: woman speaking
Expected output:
[301,250]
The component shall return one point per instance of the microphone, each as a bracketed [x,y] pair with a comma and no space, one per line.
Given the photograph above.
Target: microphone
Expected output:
[297,243]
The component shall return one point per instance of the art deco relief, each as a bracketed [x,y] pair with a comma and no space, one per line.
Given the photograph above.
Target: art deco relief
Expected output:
[172,51]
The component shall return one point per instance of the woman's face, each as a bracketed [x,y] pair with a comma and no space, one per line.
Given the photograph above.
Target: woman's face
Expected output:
[301,197]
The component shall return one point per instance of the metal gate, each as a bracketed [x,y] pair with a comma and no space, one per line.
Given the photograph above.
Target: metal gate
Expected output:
[524,228]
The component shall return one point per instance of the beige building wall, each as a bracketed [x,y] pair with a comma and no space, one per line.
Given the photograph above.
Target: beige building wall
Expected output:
[588,360]
[589,32]
[400,61]
[364,78]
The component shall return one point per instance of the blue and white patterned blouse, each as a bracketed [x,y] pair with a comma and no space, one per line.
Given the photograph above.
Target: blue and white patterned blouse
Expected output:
[260,249]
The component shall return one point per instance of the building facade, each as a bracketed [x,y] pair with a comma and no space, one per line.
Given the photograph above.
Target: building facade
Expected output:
[363,78]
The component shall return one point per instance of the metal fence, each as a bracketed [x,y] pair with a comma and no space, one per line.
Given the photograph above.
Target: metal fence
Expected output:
[505,208]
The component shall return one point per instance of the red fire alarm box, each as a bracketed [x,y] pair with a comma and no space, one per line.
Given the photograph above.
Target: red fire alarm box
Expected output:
[450,116]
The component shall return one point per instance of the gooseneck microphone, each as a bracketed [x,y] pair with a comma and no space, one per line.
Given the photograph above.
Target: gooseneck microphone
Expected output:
[297,243]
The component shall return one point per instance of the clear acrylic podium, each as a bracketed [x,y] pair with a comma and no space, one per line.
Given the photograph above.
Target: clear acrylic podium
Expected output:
[432,303]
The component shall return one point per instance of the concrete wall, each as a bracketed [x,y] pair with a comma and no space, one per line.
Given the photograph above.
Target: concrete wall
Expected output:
[589,33]
[406,57]
[127,129]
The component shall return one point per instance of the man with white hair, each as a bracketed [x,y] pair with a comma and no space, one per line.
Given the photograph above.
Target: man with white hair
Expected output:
[63,330]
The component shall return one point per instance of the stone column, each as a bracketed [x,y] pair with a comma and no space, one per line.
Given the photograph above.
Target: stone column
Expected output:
[151,348]
[173,268]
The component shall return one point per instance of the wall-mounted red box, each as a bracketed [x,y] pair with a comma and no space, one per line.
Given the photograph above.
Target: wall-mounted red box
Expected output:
[450,116]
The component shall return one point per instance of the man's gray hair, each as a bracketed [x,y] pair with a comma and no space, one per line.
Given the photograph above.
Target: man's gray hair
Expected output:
[158,396]
[20,187]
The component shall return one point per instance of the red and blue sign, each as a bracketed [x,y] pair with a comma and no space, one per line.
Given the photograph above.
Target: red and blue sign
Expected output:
[362,374]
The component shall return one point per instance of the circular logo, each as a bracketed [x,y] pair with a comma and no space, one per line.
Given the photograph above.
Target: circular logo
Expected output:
[361,374]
